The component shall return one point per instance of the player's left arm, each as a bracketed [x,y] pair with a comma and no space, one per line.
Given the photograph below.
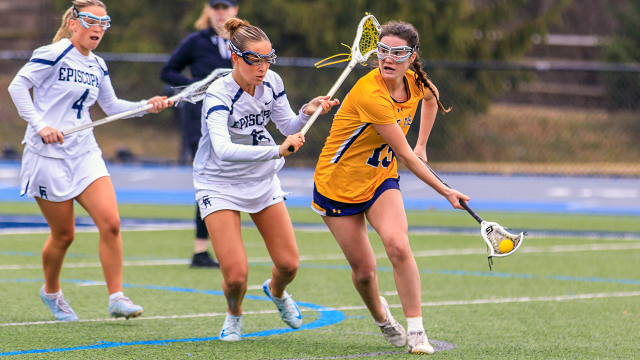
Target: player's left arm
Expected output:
[393,135]
[427,119]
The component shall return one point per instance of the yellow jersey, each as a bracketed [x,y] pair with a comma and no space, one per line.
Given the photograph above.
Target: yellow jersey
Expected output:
[355,159]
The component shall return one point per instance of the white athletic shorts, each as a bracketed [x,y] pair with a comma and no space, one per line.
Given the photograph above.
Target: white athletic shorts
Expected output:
[250,197]
[60,180]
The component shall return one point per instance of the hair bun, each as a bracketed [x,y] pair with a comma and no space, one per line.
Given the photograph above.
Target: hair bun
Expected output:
[232,25]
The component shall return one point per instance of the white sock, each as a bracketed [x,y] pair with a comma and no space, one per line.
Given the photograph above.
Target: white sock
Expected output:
[115,296]
[414,323]
[381,324]
[54,295]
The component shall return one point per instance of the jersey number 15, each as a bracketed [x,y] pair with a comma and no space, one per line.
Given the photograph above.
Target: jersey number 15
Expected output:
[375,160]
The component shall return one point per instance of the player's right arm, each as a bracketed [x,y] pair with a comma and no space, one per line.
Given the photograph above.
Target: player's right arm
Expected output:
[33,74]
[216,110]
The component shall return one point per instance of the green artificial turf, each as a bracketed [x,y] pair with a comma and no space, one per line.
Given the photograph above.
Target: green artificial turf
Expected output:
[538,325]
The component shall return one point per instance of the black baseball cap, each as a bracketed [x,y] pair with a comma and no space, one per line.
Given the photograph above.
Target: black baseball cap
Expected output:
[229,3]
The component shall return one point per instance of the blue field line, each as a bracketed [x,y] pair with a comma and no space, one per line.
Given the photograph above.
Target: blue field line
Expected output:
[187,197]
[327,317]
[38,221]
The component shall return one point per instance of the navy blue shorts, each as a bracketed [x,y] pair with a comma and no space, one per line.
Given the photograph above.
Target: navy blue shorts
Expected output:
[327,207]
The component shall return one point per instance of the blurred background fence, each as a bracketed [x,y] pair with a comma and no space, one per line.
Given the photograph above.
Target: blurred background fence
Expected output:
[523,100]
[538,116]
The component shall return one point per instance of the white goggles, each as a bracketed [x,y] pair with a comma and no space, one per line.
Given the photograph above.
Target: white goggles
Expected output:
[397,53]
[88,20]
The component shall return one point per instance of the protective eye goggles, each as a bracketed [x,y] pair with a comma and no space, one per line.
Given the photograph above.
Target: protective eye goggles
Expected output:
[88,20]
[253,58]
[397,53]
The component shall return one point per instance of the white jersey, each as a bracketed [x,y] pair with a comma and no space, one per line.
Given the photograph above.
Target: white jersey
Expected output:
[65,85]
[235,146]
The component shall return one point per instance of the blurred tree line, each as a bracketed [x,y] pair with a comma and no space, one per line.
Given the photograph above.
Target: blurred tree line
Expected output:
[625,48]
[449,29]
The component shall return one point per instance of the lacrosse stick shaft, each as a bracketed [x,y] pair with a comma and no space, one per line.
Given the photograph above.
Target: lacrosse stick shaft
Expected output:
[462,202]
[117,116]
[334,89]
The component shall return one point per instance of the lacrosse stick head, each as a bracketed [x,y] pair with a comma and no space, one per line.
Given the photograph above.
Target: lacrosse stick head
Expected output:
[366,42]
[197,91]
[493,234]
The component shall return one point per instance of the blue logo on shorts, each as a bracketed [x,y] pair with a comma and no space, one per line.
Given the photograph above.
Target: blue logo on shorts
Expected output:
[43,192]
[205,201]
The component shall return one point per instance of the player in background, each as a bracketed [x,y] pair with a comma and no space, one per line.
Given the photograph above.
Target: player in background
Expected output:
[67,79]
[356,177]
[235,170]
[202,52]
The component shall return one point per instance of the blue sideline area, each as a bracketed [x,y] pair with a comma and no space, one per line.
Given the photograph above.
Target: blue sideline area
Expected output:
[173,185]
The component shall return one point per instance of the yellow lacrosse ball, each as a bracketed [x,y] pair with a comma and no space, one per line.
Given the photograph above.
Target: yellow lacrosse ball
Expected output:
[505,246]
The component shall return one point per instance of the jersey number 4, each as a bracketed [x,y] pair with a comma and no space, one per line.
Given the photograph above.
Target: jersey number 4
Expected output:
[375,160]
[78,105]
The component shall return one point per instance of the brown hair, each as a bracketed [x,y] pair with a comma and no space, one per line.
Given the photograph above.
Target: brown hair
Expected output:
[241,33]
[65,32]
[409,34]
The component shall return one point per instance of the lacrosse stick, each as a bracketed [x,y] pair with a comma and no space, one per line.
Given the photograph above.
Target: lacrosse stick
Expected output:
[192,93]
[364,45]
[492,233]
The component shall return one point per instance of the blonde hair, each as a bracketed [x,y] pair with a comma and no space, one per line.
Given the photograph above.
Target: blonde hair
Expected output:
[204,21]
[65,32]
[241,33]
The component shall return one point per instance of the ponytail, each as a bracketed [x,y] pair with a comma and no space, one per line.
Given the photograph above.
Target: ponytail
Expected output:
[422,81]
[241,33]
[65,32]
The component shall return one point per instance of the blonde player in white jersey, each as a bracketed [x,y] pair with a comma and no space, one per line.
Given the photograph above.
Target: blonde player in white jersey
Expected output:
[67,79]
[235,171]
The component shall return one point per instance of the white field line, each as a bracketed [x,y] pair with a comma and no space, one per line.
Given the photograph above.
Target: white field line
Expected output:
[362,307]
[510,300]
[427,253]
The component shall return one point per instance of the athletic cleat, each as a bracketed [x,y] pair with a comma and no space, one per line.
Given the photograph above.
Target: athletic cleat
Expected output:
[122,306]
[232,328]
[59,307]
[418,343]
[392,330]
[204,260]
[288,308]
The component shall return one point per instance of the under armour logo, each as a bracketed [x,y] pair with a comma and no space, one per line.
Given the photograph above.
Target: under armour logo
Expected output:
[205,201]
[400,109]
[43,193]
[336,211]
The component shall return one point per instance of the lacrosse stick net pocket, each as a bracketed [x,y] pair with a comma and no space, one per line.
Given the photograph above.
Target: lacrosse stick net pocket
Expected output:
[493,234]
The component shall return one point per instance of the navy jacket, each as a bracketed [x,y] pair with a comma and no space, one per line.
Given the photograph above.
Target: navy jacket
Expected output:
[198,52]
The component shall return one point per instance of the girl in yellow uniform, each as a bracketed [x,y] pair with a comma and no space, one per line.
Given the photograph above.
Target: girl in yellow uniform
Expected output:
[357,178]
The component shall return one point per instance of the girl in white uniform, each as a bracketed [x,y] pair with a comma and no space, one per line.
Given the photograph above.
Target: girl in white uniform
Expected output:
[235,170]
[67,79]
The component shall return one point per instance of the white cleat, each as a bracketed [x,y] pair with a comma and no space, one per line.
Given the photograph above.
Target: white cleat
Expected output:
[418,343]
[232,328]
[289,312]
[392,330]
